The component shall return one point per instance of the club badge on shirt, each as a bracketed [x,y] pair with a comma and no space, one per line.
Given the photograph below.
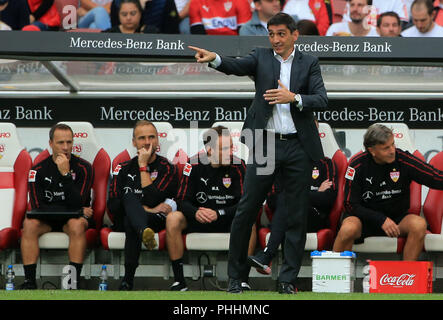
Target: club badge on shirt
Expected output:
[187,169]
[31,176]
[227,181]
[350,173]
[116,170]
[154,175]
[315,173]
[395,175]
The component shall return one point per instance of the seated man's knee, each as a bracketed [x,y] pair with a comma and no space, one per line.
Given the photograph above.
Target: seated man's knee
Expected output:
[175,221]
[31,227]
[76,227]
[350,228]
[418,226]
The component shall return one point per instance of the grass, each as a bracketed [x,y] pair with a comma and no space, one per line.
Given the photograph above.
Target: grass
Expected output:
[201,295]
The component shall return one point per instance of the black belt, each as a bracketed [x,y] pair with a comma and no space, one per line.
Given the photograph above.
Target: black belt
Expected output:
[288,136]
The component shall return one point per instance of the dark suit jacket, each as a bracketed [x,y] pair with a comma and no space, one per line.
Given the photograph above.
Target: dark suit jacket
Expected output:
[306,80]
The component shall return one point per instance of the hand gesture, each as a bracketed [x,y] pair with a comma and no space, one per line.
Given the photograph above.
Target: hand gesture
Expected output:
[205,215]
[391,228]
[203,55]
[62,163]
[325,185]
[279,96]
[144,155]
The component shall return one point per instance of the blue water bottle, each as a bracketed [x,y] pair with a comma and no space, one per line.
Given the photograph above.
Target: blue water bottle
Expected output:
[10,275]
[103,286]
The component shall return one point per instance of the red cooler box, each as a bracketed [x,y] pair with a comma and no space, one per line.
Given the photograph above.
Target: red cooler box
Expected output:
[400,276]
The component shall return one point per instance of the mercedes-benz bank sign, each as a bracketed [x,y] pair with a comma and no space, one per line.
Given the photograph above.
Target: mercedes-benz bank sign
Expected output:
[71,45]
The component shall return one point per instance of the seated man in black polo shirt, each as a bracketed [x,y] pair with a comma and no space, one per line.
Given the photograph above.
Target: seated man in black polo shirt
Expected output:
[61,182]
[141,196]
[377,194]
[210,189]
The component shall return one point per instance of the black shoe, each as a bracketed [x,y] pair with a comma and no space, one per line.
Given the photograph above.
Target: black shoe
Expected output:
[234,286]
[286,288]
[28,285]
[125,286]
[261,261]
[179,286]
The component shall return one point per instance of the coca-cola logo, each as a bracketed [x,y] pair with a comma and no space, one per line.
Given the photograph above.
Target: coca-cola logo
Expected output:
[398,281]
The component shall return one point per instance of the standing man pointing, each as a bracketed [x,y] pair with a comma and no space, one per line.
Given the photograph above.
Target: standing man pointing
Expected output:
[288,87]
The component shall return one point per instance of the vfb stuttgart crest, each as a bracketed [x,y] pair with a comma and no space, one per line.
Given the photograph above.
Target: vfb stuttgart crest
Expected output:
[228,6]
[227,182]
[395,175]
[315,173]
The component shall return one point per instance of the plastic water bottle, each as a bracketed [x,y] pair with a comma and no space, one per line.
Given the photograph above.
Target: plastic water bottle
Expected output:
[10,275]
[366,279]
[103,286]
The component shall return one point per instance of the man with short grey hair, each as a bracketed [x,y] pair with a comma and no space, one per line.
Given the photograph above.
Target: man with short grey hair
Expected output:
[377,194]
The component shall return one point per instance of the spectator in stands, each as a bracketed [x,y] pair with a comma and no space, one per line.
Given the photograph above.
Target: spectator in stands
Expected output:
[314,10]
[389,24]
[423,15]
[61,182]
[264,10]
[358,25]
[218,17]
[43,16]
[209,191]
[324,186]
[380,6]
[141,196]
[377,194]
[307,28]
[438,7]
[15,13]
[160,15]
[130,15]
[94,14]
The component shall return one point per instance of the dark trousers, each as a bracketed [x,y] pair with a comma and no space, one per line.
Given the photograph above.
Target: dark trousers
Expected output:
[295,167]
[136,220]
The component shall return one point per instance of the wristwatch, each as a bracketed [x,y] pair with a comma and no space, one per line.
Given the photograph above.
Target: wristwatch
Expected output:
[297,98]
[143,169]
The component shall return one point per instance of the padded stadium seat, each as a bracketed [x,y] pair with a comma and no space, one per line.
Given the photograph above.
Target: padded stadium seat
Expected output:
[15,163]
[433,211]
[112,240]
[403,140]
[324,238]
[85,146]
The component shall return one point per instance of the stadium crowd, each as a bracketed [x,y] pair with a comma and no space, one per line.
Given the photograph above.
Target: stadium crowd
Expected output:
[387,18]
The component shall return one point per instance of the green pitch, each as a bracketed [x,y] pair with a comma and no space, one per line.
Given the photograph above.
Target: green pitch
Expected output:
[201,295]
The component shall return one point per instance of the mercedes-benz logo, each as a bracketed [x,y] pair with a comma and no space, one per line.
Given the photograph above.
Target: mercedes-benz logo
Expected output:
[367,195]
[201,197]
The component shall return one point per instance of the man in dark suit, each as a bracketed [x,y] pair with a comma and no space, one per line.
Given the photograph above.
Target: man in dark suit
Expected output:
[288,87]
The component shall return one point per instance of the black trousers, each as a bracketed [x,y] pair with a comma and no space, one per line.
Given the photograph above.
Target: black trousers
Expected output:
[137,220]
[294,165]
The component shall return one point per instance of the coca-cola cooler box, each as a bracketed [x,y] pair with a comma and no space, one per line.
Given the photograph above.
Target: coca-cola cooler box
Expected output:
[400,276]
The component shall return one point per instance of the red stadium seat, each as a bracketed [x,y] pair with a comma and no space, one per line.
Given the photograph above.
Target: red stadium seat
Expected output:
[15,163]
[324,238]
[86,147]
[403,140]
[433,211]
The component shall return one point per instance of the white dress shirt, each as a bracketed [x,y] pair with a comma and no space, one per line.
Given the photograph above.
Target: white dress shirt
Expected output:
[281,119]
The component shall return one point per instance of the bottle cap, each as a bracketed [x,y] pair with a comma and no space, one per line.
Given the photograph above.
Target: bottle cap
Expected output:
[10,266]
[103,267]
